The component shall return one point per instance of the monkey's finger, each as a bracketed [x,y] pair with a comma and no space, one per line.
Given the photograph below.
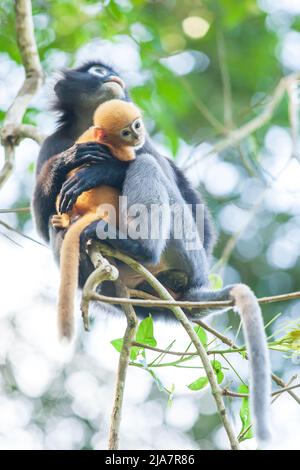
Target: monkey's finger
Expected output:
[85,159]
[91,149]
[89,145]
[68,196]
[69,200]
[65,193]
[72,189]
[94,149]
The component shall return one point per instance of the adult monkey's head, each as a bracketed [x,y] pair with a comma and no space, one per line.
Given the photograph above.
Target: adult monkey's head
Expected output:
[82,89]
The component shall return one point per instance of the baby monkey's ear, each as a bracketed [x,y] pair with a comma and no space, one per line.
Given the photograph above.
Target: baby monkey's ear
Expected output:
[99,134]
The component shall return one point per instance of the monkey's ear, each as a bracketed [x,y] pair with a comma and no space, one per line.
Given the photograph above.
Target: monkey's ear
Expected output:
[99,133]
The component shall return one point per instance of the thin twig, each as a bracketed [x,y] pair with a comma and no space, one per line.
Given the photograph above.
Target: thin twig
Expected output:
[206,113]
[209,352]
[225,76]
[231,243]
[256,123]
[293,108]
[292,379]
[231,343]
[230,393]
[15,209]
[274,399]
[13,130]
[187,304]
[12,229]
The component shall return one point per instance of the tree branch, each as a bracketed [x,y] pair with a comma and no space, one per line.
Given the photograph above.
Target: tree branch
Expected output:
[225,76]
[155,302]
[104,271]
[256,123]
[229,393]
[132,322]
[13,131]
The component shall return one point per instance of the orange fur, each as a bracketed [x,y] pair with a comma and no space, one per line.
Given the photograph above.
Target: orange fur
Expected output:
[109,119]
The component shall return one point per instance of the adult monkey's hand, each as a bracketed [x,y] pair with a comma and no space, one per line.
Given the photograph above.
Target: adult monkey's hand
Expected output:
[108,172]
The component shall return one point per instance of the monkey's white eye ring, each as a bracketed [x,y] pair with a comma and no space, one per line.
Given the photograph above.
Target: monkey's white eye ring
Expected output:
[98,71]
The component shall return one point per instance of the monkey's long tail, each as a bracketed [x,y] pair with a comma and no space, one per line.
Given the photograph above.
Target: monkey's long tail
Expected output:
[260,371]
[69,269]
[247,306]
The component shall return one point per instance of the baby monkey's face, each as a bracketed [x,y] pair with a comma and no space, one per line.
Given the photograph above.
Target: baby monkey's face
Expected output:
[134,133]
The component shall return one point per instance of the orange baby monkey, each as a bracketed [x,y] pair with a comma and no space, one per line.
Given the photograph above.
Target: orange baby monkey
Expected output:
[117,124]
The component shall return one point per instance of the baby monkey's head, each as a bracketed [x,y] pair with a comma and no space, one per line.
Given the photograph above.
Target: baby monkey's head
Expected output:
[118,123]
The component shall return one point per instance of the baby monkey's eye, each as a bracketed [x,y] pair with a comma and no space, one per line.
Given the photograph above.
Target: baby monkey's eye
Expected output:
[125,133]
[137,125]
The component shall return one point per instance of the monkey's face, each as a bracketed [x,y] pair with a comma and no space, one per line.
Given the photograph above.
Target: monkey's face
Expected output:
[88,86]
[133,134]
[111,86]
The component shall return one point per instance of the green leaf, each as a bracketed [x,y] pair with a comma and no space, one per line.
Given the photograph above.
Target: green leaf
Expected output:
[198,384]
[117,344]
[245,414]
[215,282]
[134,352]
[217,366]
[201,333]
[144,333]
[31,167]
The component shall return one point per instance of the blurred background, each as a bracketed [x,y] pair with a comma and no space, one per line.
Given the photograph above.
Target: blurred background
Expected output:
[199,69]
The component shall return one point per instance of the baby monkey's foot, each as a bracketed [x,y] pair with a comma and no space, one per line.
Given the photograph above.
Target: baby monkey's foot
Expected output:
[60,220]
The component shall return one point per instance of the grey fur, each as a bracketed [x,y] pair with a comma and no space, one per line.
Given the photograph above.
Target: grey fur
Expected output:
[147,184]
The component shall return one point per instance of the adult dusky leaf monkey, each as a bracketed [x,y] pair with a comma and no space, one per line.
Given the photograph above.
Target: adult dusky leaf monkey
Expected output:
[151,179]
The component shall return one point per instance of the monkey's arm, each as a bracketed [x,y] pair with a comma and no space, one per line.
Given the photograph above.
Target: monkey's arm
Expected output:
[54,171]
[109,172]
[144,188]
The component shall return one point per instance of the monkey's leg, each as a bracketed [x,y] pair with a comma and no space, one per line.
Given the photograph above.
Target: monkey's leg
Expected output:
[247,306]
[145,251]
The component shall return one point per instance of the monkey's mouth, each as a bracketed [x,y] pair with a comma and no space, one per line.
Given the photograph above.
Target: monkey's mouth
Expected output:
[117,80]
[139,143]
